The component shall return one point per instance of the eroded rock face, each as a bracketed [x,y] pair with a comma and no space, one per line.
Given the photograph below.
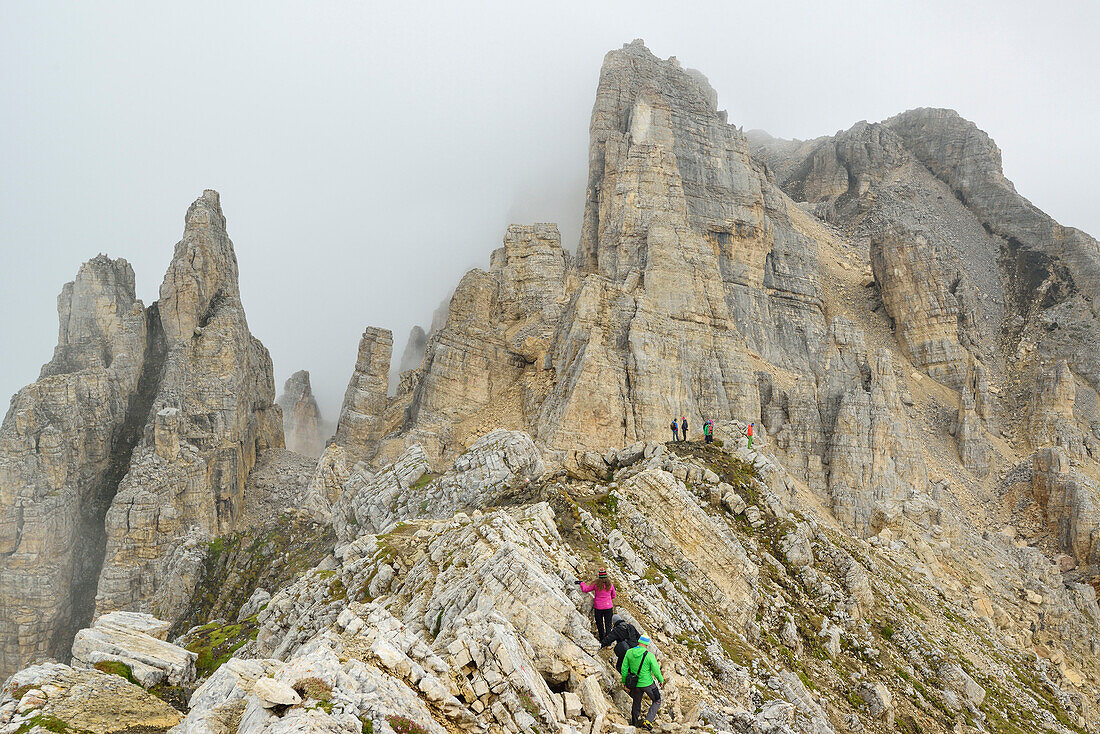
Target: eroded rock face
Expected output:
[81,700]
[214,410]
[1052,421]
[983,290]
[929,272]
[486,366]
[360,426]
[406,489]
[132,450]
[301,416]
[919,294]
[1070,503]
[874,458]
[975,412]
[64,445]
[137,641]
[689,258]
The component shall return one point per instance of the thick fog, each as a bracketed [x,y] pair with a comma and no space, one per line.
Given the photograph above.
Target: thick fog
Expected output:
[368,154]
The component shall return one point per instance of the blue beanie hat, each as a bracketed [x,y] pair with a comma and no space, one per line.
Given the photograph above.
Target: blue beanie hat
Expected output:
[643,640]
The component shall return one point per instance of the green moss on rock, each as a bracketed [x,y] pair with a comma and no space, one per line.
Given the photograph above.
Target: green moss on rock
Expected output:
[116,667]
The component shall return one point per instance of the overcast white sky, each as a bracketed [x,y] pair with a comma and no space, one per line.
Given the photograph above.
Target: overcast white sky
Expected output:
[368,154]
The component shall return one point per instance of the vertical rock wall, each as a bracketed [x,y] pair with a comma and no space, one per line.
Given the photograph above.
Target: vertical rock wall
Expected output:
[360,426]
[64,445]
[213,409]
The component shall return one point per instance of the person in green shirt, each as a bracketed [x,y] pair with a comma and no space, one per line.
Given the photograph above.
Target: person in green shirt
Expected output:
[640,661]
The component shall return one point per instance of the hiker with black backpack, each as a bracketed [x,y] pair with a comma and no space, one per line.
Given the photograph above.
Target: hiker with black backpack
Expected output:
[623,635]
[641,677]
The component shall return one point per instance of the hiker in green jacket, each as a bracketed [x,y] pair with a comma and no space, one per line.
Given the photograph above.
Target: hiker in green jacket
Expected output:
[640,668]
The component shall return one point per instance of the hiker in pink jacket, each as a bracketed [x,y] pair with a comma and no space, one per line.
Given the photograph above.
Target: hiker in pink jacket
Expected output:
[604,603]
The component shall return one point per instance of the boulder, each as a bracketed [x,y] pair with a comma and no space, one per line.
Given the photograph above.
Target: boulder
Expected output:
[124,637]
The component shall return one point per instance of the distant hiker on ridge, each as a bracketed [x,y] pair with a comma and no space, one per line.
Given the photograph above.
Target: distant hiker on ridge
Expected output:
[708,431]
[675,430]
[748,434]
[684,427]
[603,603]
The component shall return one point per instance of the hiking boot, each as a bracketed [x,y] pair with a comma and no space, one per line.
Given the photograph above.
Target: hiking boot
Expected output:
[647,725]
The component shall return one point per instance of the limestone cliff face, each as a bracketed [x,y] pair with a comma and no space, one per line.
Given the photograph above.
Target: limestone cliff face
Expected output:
[1051,273]
[64,445]
[301,416]
[133,447]
[486,366]
[984,292]
[1052,421]
[214,409]
[360,426]
[964,264]
[973,420]
[866,179]
[689,265]
[1070,504]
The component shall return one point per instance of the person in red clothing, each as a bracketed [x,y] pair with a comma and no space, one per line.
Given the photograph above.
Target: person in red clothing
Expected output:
[603,603]
[748,434]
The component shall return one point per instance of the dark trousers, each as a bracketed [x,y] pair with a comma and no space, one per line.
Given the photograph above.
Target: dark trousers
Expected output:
[603,622]
[636,694]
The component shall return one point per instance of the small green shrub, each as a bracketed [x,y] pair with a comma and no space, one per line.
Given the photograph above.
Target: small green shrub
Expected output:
[316,689]
[43,721]
[404,725]
[115,667]
[528,703]
[368,725]
[21,691]
[216,643]
[423,481]
[887,631]
[609,504]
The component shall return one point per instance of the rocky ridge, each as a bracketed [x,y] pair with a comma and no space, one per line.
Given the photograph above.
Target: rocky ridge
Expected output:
[766,615]
[910,544]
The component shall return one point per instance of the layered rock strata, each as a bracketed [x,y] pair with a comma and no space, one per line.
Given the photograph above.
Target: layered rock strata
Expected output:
[214,410]
[65,444]
[133,447]
[690,262]
[138,642]
[360,426]
[975,415]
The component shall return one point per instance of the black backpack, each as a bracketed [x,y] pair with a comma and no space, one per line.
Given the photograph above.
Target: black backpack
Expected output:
[632,677]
